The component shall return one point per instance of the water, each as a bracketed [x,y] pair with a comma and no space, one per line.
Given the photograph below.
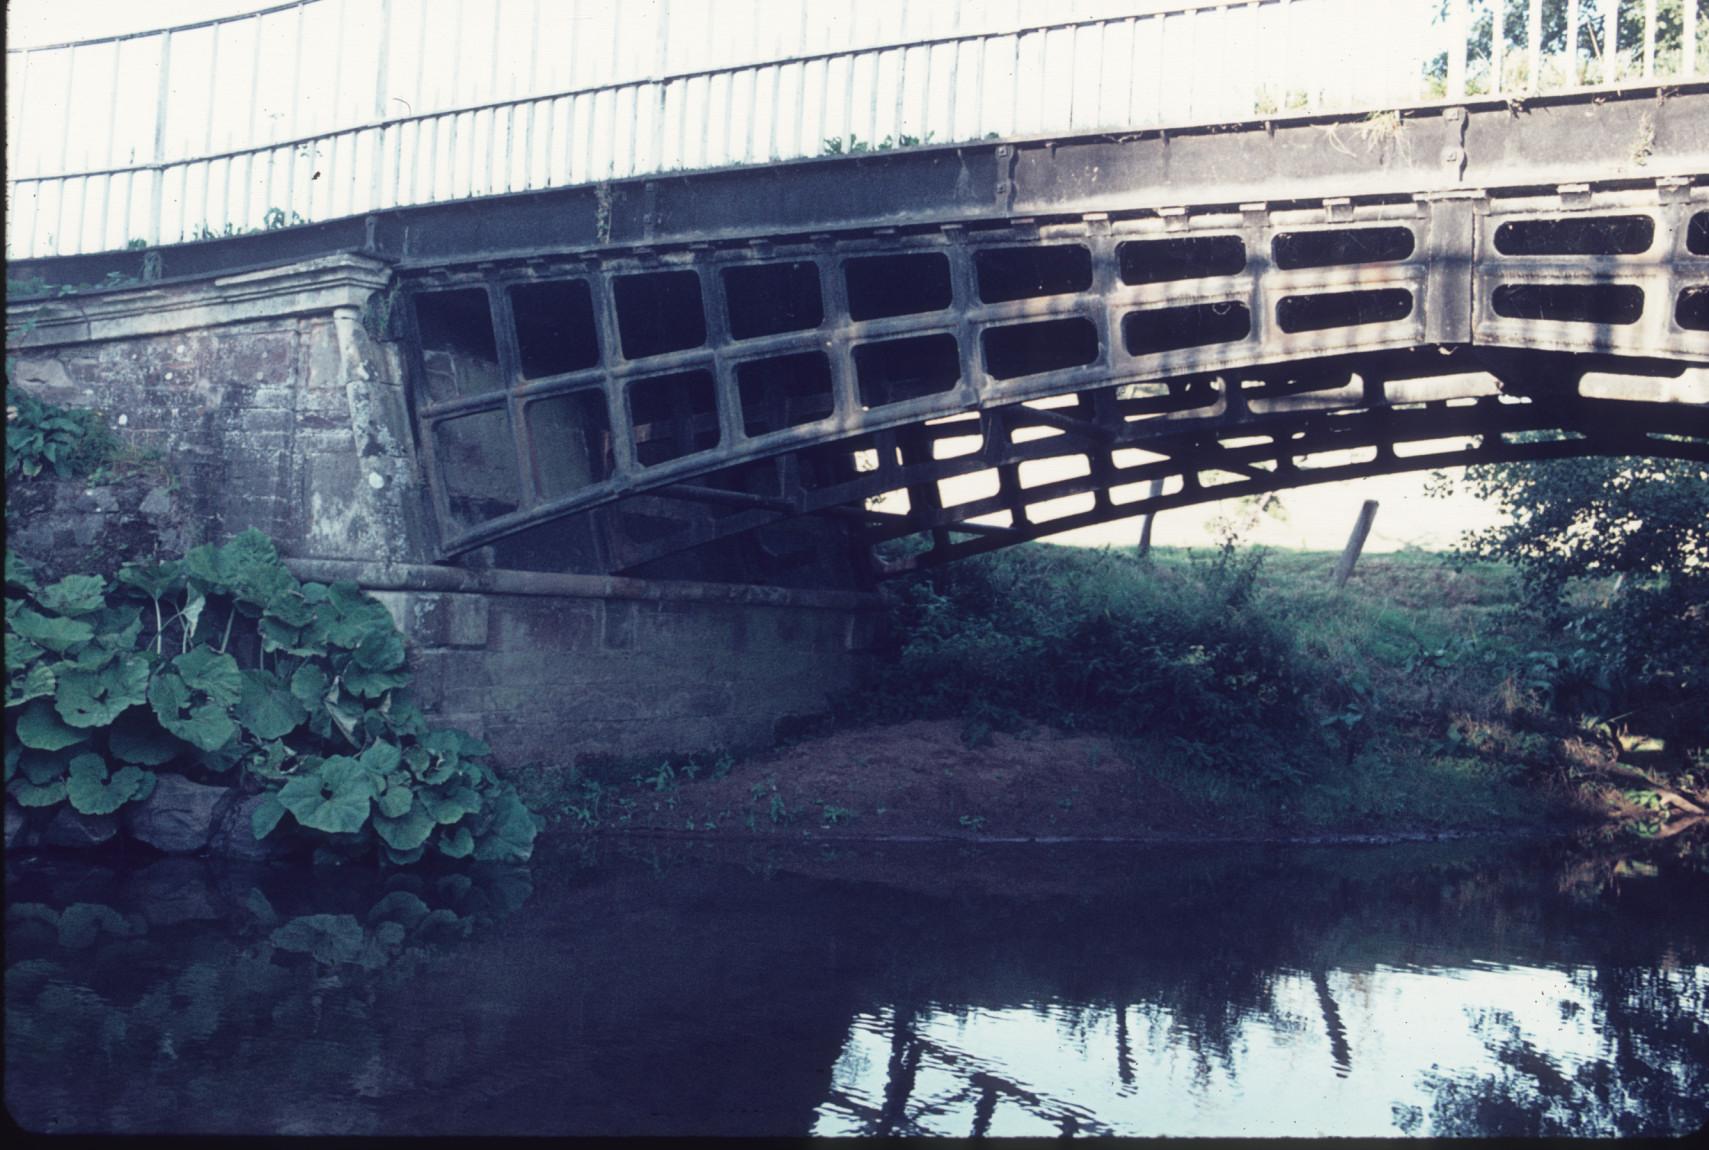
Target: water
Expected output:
[667,988]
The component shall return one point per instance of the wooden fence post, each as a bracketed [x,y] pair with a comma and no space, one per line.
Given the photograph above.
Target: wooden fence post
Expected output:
[1151,492]
[1356,542]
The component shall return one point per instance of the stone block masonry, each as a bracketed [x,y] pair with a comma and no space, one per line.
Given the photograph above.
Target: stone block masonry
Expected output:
[551,668]
[273,406]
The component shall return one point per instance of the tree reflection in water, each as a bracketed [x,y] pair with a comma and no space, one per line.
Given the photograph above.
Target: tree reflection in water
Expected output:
[879,990]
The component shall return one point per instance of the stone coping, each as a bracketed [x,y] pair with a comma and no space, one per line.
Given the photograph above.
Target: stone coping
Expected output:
[381,576]
[307,287]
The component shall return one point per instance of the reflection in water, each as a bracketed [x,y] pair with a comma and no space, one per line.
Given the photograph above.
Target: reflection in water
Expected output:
[891,991]
[1432,1049]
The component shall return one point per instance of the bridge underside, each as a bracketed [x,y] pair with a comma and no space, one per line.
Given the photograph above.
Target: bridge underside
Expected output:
[763,411]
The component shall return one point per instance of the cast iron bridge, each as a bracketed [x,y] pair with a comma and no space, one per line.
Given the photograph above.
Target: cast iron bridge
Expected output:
[742,371]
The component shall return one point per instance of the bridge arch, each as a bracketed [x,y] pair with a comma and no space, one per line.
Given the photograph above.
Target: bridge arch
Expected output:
[1080,366]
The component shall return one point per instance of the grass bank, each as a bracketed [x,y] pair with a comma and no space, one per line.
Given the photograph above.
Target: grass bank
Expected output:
[1049,691]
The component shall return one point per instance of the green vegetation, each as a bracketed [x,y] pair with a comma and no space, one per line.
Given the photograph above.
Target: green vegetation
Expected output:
[1248,686]
[1613,553]
[75,442]
[1590,66]
[1088,641]
[224,667]
[853,145]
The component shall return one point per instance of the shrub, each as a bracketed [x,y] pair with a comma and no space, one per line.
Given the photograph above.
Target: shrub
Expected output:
[75,442]
[1087,641]
[224,667]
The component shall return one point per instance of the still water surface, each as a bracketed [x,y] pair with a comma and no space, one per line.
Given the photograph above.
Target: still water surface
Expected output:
[668,988]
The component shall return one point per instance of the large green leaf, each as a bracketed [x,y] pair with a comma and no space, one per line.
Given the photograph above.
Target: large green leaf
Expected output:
[309,684]
[92,792]
[331,938]
[213,673]
[168,695]
[208,727]
[354,617]
[458,843]
[20,572]
[267,709]
[290,608]
[41,768]
[266,816]
[30,794]
[91,658]
[95,698]
[510,835]
[335,797]
[39,726]
[57,633]
[20,652]
[380,650]
[247,567]
[373,684]
[39,682]
[74,595]
[450,805]
[396,800]
[154,580]
[117,626]
[381,758]
[406,832]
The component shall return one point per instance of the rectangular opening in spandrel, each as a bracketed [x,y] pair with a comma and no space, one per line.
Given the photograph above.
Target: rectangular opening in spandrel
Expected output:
[673,416]
[570,436]
[459,352]
[786,391]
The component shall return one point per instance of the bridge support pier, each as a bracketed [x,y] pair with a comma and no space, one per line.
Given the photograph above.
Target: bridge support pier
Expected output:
[274,404]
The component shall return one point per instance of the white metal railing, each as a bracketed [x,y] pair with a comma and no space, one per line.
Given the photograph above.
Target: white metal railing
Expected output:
[325,108]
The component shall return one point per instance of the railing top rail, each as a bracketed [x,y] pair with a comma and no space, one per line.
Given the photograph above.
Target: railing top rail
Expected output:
[644,81]
[1142,8]
[143,34]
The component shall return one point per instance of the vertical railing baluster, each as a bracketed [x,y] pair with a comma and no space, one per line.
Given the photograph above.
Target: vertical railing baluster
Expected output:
[1572,43]
[848,95]
[383,65]
[15,152]
[1497,44]
[1534,47]
[291,121]
[70,92]
[1456,49]
[162,99]
[533,104]
[112,143]
[661,68]
[1688,39]
[1255,67]
[551,131]
[1649,38]
[1611,42]
[901,93]
[491,184]
[418,93]
[208,129]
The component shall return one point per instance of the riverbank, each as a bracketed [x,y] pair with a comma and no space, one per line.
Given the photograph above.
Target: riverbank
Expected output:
[1052,693]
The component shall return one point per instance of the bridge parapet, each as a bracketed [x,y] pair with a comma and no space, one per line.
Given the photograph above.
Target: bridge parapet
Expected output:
[593,96]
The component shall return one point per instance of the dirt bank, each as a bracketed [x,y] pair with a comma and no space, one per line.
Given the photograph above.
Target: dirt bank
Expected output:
[921,780]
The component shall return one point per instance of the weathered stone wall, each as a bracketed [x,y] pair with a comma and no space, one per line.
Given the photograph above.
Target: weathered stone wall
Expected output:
[271,406]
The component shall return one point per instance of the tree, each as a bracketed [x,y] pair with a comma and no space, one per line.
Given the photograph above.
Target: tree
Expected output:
[1642,524]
